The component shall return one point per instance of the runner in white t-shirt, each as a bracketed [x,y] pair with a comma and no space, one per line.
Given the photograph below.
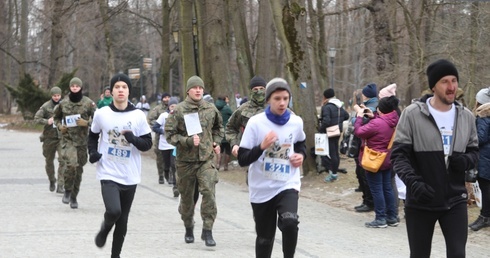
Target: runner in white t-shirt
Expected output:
[123,132]
[273,144]
[166,148]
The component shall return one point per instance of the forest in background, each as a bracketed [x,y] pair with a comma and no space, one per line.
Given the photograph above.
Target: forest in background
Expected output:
[227,42]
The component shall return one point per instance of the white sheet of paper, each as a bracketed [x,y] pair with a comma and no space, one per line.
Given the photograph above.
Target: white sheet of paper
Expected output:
[192,124]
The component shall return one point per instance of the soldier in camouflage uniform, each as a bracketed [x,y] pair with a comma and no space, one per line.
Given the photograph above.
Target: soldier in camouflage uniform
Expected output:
[152,117]
[195,153]
[72,118]
[239,118]
[51,140]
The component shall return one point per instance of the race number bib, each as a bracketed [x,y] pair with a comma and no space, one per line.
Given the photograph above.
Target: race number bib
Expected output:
[119,154]
[71,121]
[277,169]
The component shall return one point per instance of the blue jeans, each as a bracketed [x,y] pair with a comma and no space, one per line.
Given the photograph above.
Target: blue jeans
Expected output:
[384,201]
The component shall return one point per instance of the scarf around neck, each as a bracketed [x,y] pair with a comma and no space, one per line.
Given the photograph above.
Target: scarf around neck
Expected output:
[277,119]
[76,97]
[193,102]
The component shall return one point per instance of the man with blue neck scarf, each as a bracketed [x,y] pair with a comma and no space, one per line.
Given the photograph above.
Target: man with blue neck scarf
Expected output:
[273,144]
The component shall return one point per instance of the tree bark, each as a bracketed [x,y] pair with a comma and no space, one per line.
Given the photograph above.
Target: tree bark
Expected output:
[56,41]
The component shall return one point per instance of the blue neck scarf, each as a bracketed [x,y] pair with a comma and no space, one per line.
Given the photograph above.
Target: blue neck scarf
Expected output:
[277,119]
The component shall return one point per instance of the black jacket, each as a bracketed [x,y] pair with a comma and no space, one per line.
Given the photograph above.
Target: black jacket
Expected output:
[330,115]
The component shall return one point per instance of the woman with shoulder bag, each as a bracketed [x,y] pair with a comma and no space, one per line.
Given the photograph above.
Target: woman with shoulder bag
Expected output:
[377,134]
[332,114]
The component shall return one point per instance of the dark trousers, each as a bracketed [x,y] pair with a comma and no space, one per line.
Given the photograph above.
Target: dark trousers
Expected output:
[118,199]
[367,197]
[266,218]
[454,226]
[168,165]
[333,162]
[485,197]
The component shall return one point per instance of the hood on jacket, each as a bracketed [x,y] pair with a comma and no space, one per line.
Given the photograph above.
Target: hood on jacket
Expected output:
[483,110]
[336,102]
[220,104]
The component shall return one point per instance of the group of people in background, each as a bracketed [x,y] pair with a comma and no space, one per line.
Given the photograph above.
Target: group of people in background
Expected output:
[195,138]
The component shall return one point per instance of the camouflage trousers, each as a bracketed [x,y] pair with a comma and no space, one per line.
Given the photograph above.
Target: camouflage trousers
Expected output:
[205,175]
[75,158]
[50,147]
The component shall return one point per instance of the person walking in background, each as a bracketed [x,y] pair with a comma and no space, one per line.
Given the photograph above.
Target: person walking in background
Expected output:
[165,148]
[226,112]
[435,143]
[50,138]
[143,105]
[105,98]
[123,132]
[377,134]
[332,114]
[152,117]
[273,144]
[195,128]
[238,99]
[482,110]
[72,116]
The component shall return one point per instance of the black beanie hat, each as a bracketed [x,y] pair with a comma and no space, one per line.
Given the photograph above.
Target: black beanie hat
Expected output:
[329,93]
[165,94]
[257,81]
[370,91]
[123,78]
[439,69]
[388,104]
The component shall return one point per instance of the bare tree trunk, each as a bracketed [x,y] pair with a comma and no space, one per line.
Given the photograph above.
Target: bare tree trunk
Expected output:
[186,39]
[4,25]
[265,35]
[165,40]
[242,44]
[56,40]
[24,28]
[217,73]
[103,9]
[290,22]
[383,39]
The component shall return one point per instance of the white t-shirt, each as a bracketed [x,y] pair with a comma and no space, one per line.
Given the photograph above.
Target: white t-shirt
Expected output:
[145,105]
[162,143]
[272,173]
[120,161]
[445,123]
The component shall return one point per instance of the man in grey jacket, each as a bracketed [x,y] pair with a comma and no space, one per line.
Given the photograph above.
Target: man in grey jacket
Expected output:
[436,142]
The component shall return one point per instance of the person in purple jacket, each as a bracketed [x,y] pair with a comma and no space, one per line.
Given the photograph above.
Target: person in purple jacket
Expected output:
[377,134]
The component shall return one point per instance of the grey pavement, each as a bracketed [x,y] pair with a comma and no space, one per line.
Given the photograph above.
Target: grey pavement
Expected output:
[35,223]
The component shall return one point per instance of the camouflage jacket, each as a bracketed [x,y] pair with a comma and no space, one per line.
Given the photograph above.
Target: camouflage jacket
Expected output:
[86,107]
[155,113]
[42,116]
[212,130]
[238,121]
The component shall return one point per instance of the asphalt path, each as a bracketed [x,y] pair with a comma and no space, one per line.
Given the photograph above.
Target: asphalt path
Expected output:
[35,223]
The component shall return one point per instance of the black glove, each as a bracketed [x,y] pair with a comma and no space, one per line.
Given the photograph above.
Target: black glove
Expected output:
[422,192]
[94,157]
[458,163]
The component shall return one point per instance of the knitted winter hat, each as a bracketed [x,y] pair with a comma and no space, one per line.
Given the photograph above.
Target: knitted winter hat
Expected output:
[123,78]
[76,81]
[388,91]
[388,104]
[329,93]
[483,96]
[439,69]
[173,100]
[165,94]
[274,85]
[257,81]
[55,90]
[194,81]
[370,90]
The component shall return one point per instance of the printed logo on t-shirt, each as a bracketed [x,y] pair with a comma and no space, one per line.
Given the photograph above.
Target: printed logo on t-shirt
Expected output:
[119,149]
[447,138]
[276,161]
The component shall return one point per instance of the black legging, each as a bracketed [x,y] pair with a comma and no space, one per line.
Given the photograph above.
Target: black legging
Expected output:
[485,197]
[333,162]
[118,199]
[454,226]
